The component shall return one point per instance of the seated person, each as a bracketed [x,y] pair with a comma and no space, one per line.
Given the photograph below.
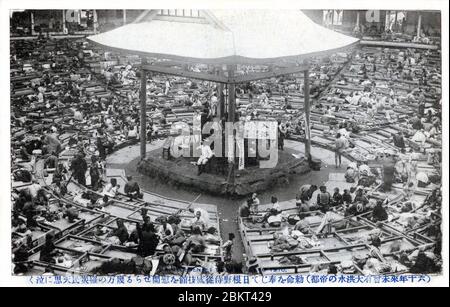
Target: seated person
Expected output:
[132,133]
[350,175]
[364,170]
[206,155]
[20,255]
[275,204]
[399,140]
[302,225]
[416,123]
[71,213]
[51,162]
[111,188]
[280,243]
[307,190]
[121,232]
[302,205]
[244,209]
[165,230]
[323,199]
[254,203]
[337,198]
[355,209]
[178,238]
[48,251]
[401,170]
[379,212]
[195,243]
[132,188]
[361,197]
[169,262]
[422,180]
[200,219]
[24,154]
[274,218]
[419,137]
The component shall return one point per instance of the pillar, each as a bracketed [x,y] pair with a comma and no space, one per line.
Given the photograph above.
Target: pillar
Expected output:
[143,103]
[231,94]
[307,116]
[95,20]
[357,22]
[124,14]
[32,24]
[64,29]
[220,95]
[419,25]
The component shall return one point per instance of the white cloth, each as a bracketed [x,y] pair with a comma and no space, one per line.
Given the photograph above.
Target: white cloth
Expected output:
[205,155]
[110,190]
[419,137]
[421,176]
[162,231]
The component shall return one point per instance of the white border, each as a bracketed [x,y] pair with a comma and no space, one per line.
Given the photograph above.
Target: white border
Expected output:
[5,5]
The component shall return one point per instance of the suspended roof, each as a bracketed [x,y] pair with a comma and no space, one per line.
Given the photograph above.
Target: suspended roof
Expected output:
[227,36]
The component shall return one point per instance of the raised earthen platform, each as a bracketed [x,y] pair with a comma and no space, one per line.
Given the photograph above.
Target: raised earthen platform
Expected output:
[181,172]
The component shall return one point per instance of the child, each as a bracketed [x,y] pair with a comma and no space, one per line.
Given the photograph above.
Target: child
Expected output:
[228,247]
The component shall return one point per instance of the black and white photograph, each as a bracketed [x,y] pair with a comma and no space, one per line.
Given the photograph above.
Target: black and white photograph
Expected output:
[180,145]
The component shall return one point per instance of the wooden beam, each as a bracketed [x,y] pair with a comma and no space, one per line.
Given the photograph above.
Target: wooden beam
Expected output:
[266,75]
[307,115]
[183,73]
[214,20]
[143,120]
[398,44]
[146,13]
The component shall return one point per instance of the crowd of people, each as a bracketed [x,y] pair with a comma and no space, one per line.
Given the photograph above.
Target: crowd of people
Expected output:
[71,115]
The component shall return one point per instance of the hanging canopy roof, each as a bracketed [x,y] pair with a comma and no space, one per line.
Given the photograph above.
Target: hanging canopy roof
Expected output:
[227,37]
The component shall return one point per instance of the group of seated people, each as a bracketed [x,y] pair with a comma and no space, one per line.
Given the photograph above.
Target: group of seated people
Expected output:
[177,242]
[353,201]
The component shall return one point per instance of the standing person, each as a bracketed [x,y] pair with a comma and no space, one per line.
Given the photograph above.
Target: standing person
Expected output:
[228,247]
[167,87]
[79,168]
[101,141]
[281,135]
[388,172]
[94,172]
[421,109]
[339,147]
[149,132]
